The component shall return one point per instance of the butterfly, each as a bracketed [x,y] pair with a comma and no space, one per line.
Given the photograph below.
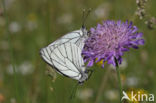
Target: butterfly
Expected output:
[76,37]
[64,54]
[66,59]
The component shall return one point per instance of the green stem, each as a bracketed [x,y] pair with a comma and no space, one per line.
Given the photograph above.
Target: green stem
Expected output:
[119,79]
[10,49]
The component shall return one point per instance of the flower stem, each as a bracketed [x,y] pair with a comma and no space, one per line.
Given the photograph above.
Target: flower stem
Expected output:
[102,85]
[11,51]
[119,79]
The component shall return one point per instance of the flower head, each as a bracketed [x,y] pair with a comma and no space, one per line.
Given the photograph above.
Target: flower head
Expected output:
[109,41]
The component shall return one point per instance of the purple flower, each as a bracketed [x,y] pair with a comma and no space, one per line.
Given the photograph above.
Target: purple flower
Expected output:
[110,40]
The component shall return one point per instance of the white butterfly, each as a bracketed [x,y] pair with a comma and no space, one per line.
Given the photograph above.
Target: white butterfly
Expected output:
[64,54]
[66,59]
[76,37]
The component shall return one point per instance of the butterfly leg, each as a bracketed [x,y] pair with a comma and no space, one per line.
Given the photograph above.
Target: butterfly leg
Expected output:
[90,73]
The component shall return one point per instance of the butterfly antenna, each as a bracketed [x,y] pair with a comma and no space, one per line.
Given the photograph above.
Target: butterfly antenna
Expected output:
[74,90]
[84,17]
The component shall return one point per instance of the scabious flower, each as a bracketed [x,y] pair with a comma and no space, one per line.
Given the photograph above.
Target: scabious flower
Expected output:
[110,40]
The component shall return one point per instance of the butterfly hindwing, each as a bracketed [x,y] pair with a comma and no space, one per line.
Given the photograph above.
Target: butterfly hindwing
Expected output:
[65,58]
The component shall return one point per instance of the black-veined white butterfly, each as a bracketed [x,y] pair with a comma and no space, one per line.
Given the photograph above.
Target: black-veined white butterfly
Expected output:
[67,60]
[64,54]
[76,37]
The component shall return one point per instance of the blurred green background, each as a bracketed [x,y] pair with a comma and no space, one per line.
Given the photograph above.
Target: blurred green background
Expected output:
[33,24]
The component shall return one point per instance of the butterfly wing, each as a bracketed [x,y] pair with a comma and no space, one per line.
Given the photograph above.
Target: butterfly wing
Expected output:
[65,58]
[76,37]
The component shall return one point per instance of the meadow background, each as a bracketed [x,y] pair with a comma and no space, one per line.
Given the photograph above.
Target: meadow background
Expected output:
[32,24]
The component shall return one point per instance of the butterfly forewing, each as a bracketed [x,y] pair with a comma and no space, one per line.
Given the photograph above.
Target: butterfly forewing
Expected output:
[76,37]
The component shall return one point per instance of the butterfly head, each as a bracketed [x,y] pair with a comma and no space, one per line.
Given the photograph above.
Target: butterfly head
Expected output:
[84,32]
